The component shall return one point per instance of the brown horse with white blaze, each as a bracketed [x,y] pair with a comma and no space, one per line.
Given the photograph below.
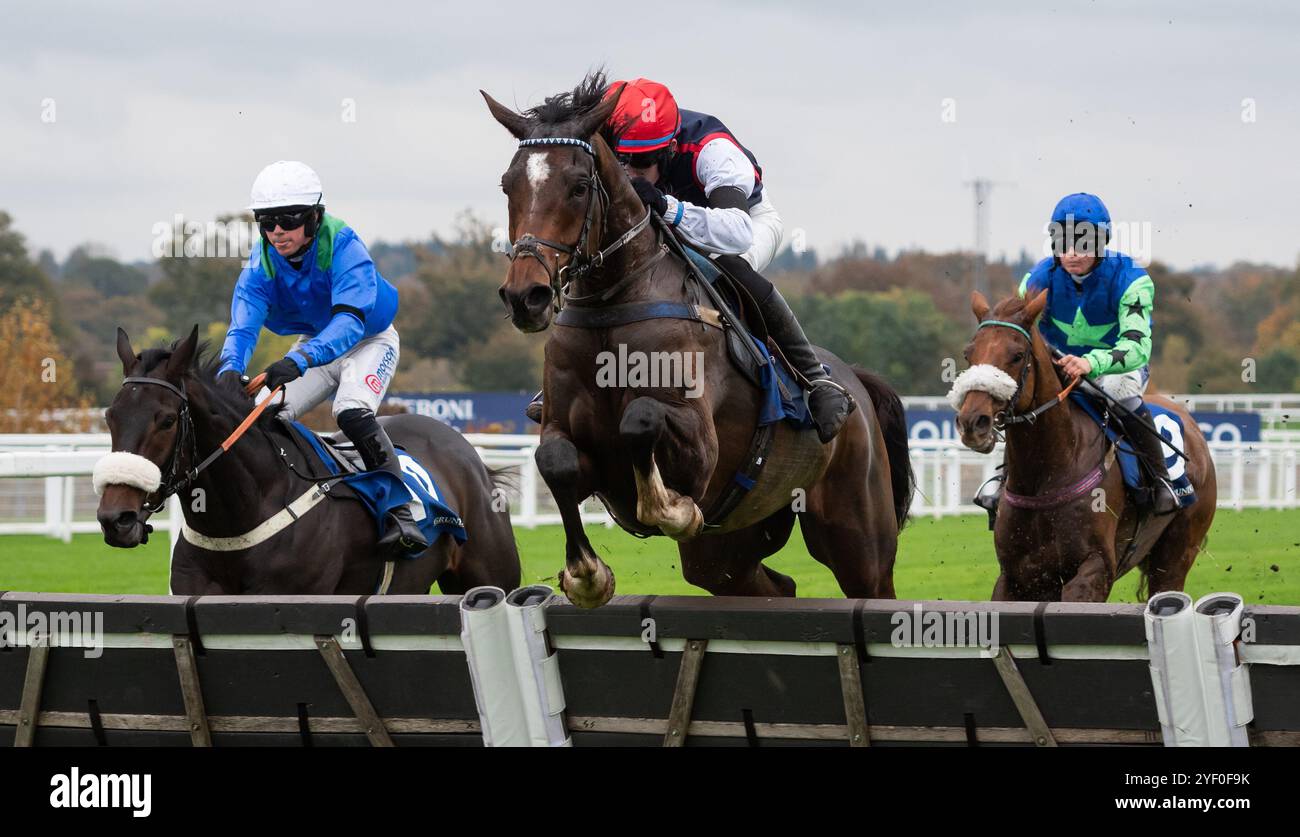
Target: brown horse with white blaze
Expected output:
[1074,530]
[658,456]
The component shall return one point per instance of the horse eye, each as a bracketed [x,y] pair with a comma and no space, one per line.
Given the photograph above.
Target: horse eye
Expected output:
[580,190]
[168,421]
[1017,357]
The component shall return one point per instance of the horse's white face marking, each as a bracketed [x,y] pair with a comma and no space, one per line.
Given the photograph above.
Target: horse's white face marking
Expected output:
[538,169]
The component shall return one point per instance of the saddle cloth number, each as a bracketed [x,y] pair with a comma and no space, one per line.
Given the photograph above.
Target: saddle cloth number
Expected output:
[416,470]
[1173,432]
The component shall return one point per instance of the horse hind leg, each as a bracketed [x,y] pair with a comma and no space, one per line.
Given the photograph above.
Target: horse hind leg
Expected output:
[677,516]
[1166,566]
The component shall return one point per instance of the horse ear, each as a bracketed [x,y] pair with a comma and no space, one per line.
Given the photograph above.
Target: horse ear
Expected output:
[515,123]
[1036,306]
[182,356]
[597,116]
[979,305]
[125,352]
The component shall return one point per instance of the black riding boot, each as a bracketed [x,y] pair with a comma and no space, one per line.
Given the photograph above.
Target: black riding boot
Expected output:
[829,402]
[1146,444]
[401,536]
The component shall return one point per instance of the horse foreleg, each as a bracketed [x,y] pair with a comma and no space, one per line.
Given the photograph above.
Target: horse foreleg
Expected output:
[1092,582]
[586,580]
[676,515]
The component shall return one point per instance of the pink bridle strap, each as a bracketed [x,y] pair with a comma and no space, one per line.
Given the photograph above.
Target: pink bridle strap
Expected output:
[1056,498]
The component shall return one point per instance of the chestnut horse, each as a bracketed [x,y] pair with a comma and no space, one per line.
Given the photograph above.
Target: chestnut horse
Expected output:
[658,455]
[1072,540]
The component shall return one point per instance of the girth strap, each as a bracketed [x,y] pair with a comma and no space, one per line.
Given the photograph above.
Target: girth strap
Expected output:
[633,312]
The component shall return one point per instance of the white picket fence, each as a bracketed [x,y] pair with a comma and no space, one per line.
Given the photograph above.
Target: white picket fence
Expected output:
[1275,408]
[65,504]
[1250,475]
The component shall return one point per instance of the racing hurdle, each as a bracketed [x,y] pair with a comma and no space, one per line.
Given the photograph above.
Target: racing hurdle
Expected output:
[528,668]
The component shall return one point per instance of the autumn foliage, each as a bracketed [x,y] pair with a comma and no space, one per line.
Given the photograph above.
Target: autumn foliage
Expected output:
[38,393]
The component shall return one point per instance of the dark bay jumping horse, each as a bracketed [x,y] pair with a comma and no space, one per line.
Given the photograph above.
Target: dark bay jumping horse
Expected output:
[1078,531]
[172,411]
[659,454]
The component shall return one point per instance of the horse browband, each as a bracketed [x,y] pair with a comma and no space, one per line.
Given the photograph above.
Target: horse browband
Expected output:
[579,264]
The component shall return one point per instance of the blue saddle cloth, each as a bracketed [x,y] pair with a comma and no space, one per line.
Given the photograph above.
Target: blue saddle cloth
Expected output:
[1170,425]
[783,399]
[381,492]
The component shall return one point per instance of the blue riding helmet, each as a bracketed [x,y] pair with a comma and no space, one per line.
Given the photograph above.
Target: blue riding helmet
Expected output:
[1081,207]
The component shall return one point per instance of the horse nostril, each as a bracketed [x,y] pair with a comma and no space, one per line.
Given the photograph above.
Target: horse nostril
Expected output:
[983,423]
[537,298]
[125,520]
[501,292]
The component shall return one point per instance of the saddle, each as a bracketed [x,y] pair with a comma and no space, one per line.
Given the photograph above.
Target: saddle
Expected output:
[1136,478]
[378,491]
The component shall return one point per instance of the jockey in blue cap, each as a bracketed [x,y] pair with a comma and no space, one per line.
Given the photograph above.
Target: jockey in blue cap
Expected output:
[1098,315]
[310,275]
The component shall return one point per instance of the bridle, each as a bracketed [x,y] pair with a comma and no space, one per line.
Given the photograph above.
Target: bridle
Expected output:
[581,261]
[177,481]
[1008,415]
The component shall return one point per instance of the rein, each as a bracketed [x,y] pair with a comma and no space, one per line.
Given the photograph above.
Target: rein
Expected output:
[1061,496]
[581,262]
[175,482]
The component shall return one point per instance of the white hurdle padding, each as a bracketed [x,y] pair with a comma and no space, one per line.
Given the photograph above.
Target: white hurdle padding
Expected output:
[1227,679]
[1202,689]
[537,668]
[485,634]
[514,671]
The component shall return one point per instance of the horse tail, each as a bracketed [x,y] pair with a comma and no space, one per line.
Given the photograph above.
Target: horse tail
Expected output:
[504,478]
[893,426]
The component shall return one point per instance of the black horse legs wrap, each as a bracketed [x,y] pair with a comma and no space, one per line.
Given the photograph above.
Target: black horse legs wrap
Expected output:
[377,453]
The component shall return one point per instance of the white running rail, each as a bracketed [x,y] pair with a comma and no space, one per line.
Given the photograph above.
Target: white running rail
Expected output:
[1250,475]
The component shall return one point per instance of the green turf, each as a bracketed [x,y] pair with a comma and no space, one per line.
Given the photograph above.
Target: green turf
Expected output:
[1249,552]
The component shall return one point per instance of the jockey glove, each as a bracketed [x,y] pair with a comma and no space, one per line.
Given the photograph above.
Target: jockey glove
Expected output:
[650,195]
[231,378]
[282,371]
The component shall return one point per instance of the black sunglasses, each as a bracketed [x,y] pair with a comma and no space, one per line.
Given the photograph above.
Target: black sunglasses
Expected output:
[287,221]
[640,162]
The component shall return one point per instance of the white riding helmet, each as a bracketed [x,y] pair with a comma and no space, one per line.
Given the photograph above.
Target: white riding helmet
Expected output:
[286,183]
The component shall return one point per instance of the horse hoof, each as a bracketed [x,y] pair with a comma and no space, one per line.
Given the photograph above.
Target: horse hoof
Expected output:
[592,591]
[691,529]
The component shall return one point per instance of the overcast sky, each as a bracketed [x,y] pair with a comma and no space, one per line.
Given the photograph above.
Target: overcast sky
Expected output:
[173,108]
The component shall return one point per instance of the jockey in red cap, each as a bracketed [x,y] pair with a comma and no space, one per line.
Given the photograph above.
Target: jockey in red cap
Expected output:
[690,169]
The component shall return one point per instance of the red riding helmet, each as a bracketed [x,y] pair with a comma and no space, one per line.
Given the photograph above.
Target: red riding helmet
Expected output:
[649,113]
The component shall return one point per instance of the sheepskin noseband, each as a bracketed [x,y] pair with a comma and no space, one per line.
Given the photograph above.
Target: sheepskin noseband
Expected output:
[123,468]
[982,377]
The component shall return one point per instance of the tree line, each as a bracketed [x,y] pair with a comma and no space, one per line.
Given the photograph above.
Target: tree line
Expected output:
[1232,330]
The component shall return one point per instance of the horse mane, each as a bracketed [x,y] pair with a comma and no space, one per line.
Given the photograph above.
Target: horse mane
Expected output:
[571,105]
[227,398]
[1011,307]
